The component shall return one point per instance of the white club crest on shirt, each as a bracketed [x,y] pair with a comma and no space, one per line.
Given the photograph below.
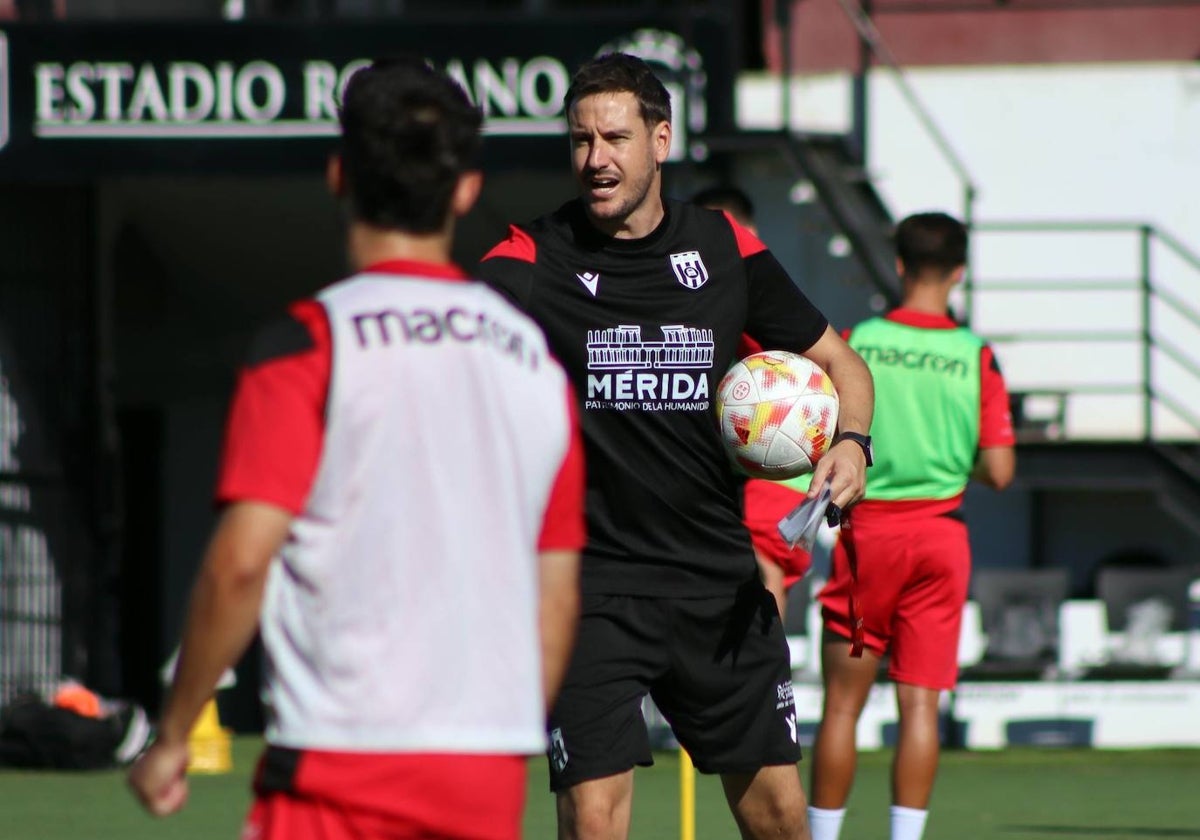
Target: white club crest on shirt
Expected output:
[689,269]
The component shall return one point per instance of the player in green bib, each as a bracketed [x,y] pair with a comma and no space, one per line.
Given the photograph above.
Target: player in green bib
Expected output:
[902,558]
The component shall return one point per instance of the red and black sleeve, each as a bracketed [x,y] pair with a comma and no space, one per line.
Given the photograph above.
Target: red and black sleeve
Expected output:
[779,315]
[276,421]
[507,268]
[995,414]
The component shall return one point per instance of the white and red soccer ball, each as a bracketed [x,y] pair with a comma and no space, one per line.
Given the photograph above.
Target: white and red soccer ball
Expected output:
[778,413]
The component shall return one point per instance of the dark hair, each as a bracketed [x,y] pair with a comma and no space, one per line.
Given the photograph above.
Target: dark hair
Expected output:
[931,241]
[617,72]
[408,132]
[728,198]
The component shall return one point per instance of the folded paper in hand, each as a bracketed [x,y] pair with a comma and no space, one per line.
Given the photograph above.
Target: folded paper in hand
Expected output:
[799,528]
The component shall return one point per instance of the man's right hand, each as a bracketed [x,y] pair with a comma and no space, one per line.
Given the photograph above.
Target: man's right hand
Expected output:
[159,778]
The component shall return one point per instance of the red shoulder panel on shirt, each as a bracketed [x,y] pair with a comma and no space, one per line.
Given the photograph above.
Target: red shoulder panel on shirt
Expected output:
[518,246]
[748,244]
[276,422]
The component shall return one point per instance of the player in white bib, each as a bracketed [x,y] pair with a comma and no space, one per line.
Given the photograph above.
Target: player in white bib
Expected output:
[402,491]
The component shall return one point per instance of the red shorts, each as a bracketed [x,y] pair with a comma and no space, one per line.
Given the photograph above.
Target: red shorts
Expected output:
[913,571]
[765,503]
[325,795]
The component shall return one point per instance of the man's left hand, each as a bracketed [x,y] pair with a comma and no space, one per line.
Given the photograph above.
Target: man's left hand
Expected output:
[845,467]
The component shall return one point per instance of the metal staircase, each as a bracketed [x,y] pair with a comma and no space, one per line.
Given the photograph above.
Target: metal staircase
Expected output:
[1101,348]
[842,186]
[849,196]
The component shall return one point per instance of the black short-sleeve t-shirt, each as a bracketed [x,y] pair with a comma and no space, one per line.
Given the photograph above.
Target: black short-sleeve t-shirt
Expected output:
[646,328]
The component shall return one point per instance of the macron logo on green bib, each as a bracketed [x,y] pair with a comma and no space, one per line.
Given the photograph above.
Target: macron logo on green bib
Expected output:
[927,390]
[914,360]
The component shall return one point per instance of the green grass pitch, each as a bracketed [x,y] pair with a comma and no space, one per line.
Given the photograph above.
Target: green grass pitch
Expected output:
[1008,795]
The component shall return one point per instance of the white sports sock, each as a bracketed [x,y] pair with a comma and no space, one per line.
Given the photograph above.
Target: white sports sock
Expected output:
[825,823]
[907,823]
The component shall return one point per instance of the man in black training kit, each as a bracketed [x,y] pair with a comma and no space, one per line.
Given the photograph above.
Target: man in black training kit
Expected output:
[644,301]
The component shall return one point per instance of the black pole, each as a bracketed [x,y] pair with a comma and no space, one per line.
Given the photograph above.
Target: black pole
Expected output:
[1147,291]
[783,17]
[859,92]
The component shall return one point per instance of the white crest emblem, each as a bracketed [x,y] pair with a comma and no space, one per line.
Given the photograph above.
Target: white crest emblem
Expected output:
[680,67]
[689,269]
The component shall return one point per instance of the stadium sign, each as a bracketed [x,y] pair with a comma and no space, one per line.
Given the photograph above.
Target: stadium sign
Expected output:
[185,99]
[101,99]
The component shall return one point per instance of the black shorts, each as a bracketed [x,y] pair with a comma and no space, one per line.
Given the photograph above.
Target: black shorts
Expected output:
[717,668]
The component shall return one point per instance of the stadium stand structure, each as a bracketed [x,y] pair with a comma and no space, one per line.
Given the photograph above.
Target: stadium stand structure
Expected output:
[1019,613]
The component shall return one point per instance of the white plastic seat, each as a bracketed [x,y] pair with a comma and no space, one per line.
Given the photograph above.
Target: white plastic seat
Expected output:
[1083,640]
[814,638]
[972,641]
[798,648]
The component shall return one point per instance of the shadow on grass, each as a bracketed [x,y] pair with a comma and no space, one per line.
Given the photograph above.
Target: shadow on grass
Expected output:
[1097,831]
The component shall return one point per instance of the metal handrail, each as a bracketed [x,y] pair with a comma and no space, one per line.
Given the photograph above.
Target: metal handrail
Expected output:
[1176,406]
[1056,285]
[1151,339]
[870,35]
[792,150]
[909,7]
[1069,226]
[1172,351]
[1178,305]
[1066,336]
[1146,232]
[1049,389]
[1177,247]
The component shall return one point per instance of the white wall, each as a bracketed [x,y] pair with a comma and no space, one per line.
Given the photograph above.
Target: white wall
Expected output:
[1047,141]
[1088,142]
[1054,142]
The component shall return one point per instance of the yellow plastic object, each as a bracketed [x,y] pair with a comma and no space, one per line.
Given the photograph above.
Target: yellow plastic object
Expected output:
[210,745]
[687,797]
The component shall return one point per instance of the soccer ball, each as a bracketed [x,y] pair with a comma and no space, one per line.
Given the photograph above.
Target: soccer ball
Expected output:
[778,413]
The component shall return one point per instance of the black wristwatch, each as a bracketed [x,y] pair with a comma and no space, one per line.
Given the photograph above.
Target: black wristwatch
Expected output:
[862,440]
